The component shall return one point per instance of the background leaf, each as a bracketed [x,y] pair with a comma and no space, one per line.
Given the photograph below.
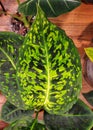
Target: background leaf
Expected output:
[19,119]
[49,68]
[11,114]
[80,117]
[40,127]
[51,8]
[9,47]
[89,52]
[18,126]
[89,97]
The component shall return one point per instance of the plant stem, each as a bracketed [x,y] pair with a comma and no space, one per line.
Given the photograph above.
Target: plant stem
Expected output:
[23,19]
[35,120]
[3,8]
[26,23]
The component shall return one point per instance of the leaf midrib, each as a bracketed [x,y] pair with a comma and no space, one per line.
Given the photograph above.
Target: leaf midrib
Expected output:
[48,75]
[8,57]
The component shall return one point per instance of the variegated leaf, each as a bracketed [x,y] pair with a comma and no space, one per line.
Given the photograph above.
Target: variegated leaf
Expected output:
[9,46]
[49,68]
[52,8]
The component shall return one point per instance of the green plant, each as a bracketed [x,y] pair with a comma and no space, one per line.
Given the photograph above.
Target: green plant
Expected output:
[89,52]
[20,17]
[42,71]
[53,8]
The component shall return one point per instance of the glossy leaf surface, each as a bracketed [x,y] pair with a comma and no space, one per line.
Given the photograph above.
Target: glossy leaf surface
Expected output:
[51,8]
[89,52]
[80,117]
[49,68]
[9,46]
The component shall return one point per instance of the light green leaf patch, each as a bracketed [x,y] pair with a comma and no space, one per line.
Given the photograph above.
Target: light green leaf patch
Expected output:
[49,68]
[89,52]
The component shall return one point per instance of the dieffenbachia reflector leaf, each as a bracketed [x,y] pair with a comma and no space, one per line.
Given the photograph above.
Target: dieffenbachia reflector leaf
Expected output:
[49,68]
[52,8]
[80,117]
[9,46]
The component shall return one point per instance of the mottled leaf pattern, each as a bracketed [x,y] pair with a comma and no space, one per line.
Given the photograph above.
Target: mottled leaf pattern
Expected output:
[80,117]
[51,8]
[9,46]
[49,68]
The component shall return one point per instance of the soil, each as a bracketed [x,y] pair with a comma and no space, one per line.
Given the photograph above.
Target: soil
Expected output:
[18,26]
